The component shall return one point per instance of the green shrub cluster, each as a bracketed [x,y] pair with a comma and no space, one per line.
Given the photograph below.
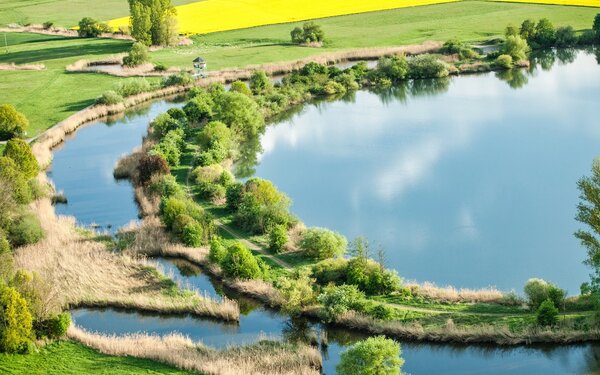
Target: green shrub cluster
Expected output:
[138,55]
[278,238]
[215,141]
[426,66]
[133,86]
[321,243]
[170,146]
[179,79]
[543,34]
[538,290]
[109,97]
[212,181]
[12,122]
[547,313]
[457,47]
[374,356]
[91,28]
[308,33]
[187,220]
[236,260]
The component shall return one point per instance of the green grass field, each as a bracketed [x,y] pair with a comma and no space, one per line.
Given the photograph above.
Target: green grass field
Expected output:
[49,96]
[70,358]
[65,13]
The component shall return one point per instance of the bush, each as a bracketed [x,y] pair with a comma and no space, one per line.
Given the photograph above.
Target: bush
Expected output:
[133,86]
[19,151]
[262,206]
[10,174]
[373,356]
[426,66]
[47,25]
[333,87]
[91,28]
[15,322]
[25,230]
[331,271]
[382,312]
[545,35]
[566,37]
[239,263]
[53,327]
[321,243]
[394,68]
[504,61]
[216,136]
[240,113]
[241,87]
[547,314]
[199,108]
[169,148]
[297,291]
[234,195]
[193,234]
[336,300]
[309,33]
[217,251]
[456,47]
[538,290]
[163,124]
[160,67]
[164,186]
[170,208]
[180,79]
[516,47]
[151,165]
[137,55]
[12,123]
[109,97]
[348,80]
[260,82]
[278,237]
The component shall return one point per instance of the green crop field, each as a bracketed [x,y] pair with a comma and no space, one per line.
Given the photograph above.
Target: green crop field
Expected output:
[67,357]
[49,96]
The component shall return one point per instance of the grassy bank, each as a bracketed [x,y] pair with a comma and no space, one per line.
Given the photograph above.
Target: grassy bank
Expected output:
[69,357]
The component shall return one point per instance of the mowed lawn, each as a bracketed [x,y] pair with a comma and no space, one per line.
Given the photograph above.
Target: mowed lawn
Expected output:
[47,97]
[65,13]
[70,358]
[468,20]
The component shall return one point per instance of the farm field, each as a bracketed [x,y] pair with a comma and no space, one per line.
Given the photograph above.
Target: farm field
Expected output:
[67,357]
[51,95]
[65,13]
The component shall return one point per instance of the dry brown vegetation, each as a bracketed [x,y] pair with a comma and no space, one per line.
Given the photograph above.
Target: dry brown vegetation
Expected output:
[61,31]
[13,66]
[452,294]
[83,272]
[177,350]
[144,70]
[500,335]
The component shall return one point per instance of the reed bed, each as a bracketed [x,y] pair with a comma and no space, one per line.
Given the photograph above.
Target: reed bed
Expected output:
[13,66]
[452,294]
[144,70]
[84,273]
[60,31]
[180,351]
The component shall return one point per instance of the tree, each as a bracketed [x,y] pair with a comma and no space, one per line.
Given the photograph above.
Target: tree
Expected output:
[321,243]
[545,35]
[527,30]
[596,26]
[538,290]
[240,113]
[9,172]
[19,151]
[309,33]
[12,123]
[373,356]
[260,82]
[153,21]
[547,314]
[515,47]
[588,213]
[297,291]
[241,87]
[91,28]
[262,206]
[337,300]
[566,37]
[395,68]
[137,55]
[278,237]
[15,322]
[511,30]
[239,263]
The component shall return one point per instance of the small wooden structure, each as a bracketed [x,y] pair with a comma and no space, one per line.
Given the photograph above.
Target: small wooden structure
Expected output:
[199,67]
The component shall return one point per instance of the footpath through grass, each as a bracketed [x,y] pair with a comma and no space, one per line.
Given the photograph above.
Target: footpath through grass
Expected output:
[68,357]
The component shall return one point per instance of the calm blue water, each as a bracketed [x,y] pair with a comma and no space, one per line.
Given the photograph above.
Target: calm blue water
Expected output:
[470,183]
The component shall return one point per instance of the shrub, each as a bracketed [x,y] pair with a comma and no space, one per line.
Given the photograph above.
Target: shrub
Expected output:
[545,35]
[234,195]
[456,47]
[262,206]
[180,79]
[260,82]
[215,135]
[348,80]
[333,87]
[373,356]
[170,208]
[297,291]
[160,67]
[382,312]
[12,123]
[15,322]
[169,148]
[336,300]
[193,234]
[199,108]
[278,237]
[149,166]
[109,97]
[426,66]
[163,124]
[504,61]
[53,327]
[394,68]
[240,113]
[4,244]
[19,151]
[137,55]
[47,25]
[527,30]
[321,243]
[547,314]
[25,230]
[132,86]
[91,28]
[10,173]
[538,290]
[566,37]
[239,263]
[516,47]
[164,185]
[331,271]
[217,251]
[241,87]
[309,33]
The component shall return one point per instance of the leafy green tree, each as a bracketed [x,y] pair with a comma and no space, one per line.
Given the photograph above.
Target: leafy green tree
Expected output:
[309,33]
[260,82]
[297,291]
[12,122]
[15,322]
[91,28]
[19,187]
[566,37]
[153,22]
[527,30]
[588,213]
[217,251]
[215,135]
[337,300]
[137,55]
[547,313]
[199,108]
[262,206]
[511,30]
[19,151]
[321,243]
[373,356]
[538,290]
[239,263]
[596,26]
[515,47]
[240,113]
[545,35]
[395,68]
[278,237]
[241,87]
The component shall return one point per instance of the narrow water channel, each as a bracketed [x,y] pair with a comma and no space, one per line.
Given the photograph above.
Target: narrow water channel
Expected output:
[83,166]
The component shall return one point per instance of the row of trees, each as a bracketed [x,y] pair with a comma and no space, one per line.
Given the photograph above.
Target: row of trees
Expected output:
[153,22]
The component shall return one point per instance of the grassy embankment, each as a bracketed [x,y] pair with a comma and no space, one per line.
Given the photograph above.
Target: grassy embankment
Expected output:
[51,95]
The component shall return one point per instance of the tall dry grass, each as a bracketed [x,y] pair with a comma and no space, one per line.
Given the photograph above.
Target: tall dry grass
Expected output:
[180,351]
[40,29]
[144,70]
[13,66]
[452,294]
[85,273]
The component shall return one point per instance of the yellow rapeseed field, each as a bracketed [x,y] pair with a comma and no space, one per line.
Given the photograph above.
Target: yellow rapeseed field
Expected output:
[584,3]
[219,15]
